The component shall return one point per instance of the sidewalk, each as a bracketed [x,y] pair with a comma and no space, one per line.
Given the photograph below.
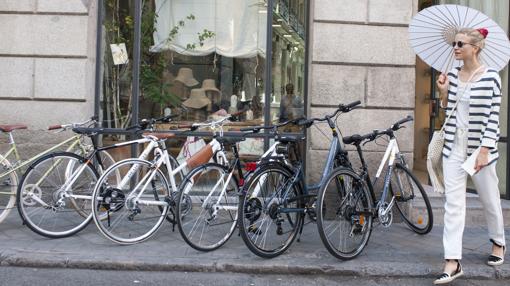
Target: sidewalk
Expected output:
[392,252]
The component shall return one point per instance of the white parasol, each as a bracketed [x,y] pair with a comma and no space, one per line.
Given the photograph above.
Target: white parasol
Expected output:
[432,32]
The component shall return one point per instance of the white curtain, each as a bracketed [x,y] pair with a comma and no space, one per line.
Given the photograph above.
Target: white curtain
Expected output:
[239,27]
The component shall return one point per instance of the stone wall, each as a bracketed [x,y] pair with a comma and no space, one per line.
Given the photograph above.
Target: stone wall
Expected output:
[360,51]
[47,66]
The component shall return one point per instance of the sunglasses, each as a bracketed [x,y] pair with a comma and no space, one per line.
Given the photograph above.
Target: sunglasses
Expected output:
[460,44]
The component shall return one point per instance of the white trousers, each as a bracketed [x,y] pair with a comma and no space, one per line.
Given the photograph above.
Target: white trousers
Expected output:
[486,183]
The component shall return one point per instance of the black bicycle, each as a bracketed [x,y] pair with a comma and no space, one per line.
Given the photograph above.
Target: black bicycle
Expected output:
[275,199]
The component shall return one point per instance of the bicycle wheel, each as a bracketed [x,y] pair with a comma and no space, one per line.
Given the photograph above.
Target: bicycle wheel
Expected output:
[265,229]
[344,217]
[207,207]
[132,209]
[54,194]
[411,200]
[8,186]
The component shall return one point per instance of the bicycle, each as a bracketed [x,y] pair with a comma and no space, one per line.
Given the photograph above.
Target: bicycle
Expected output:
[207,205]
[275,200]
[8,170]
[346,201]
[136,204]
[54,194]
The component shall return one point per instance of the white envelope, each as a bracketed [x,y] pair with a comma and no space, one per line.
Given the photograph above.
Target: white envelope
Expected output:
[469,165]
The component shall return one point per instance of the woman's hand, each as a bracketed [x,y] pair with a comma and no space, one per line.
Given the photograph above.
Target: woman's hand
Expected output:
[442,84]
[482,159]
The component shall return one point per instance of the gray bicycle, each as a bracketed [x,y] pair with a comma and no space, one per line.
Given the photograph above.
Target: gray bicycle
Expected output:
[275,199]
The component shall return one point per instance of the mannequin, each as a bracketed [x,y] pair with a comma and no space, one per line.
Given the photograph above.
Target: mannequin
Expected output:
[233,104]
[213,93]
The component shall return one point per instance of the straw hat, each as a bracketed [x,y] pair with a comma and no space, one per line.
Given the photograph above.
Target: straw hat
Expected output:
[209,85]
[185,75]
[197,99]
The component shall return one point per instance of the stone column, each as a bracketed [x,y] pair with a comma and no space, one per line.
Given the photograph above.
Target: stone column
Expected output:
[360,52]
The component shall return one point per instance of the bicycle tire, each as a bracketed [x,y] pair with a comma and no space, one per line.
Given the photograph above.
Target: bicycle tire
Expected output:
[200,191]
[115,211]
[43,181]
[251,209]
[8,187]
[418,221]
[348,200]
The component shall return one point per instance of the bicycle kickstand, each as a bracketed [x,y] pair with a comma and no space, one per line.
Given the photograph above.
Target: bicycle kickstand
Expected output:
[301,228]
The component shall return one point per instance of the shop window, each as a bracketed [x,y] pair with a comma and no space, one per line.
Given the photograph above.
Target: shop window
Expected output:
[205,59]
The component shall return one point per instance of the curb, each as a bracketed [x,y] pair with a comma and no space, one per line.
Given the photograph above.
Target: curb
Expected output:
[400,270]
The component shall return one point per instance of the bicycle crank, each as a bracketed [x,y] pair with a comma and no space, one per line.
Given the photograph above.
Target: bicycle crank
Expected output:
[385,214]
[113,200]
[31,191]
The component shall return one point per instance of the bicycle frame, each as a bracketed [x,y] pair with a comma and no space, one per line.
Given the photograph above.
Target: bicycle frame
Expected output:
[334,149]
[72,176]
[391,151]
[76,140]
[162,158]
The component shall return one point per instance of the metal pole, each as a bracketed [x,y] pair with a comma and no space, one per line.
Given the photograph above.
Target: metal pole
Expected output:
[305,89]
[136,68]
[99,39]
[269,65]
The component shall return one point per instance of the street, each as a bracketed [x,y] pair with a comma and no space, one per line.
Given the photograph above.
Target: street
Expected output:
[35,276]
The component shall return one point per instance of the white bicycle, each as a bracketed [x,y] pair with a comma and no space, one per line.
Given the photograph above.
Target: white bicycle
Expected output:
[136,204]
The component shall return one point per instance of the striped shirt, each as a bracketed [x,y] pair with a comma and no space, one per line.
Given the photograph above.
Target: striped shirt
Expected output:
[484,105]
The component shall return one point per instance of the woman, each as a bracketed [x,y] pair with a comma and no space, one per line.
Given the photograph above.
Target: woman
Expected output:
[474,123]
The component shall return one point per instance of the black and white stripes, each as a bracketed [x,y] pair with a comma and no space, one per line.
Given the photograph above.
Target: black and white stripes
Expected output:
[484,105]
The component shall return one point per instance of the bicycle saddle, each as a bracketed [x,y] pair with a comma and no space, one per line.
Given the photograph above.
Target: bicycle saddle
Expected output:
[354,139]
[229,140]
[160,136]
[11,127]
[288,138]
[87,131]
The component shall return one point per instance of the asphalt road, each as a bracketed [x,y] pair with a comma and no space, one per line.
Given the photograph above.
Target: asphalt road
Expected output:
[51,276]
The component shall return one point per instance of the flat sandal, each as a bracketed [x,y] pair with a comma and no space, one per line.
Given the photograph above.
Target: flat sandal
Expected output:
[447,277]
[495,260]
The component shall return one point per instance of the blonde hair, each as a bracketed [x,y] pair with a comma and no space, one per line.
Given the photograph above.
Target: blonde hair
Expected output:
[476,37]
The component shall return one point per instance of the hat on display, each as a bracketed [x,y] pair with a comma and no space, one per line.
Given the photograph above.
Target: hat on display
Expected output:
[197,99]
[185,75]
[209,85]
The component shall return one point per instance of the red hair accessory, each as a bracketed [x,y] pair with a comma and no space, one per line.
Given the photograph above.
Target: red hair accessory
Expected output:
[483,31]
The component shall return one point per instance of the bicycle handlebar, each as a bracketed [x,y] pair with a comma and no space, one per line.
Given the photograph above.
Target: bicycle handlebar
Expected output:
[394,127]
[72,125]
[144,123]
[341,108]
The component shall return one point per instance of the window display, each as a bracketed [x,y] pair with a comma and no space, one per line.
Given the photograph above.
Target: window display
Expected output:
[200,59]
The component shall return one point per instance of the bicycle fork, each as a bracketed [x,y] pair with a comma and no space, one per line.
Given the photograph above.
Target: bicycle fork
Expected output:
[383,208]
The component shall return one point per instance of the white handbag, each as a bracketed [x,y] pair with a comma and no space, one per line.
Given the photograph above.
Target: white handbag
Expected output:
[435,151]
